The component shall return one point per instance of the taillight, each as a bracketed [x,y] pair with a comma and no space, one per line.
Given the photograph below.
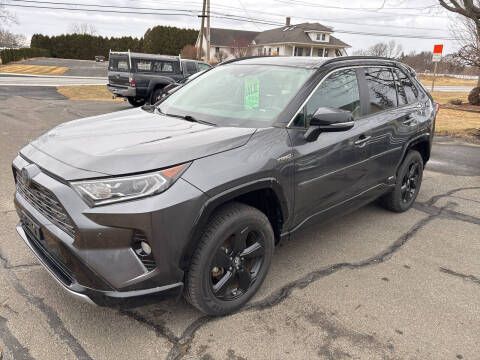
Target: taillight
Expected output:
[131,81]
[437,107]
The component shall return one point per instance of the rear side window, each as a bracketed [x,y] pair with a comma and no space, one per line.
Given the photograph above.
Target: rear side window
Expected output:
[162,66]
[407,91]
[144,65]
[118,64]
[338,91]
[202,66]
[381,89]
[191,68]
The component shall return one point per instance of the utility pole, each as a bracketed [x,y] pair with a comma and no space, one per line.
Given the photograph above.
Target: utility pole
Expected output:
[434,75]
[208,31]
[200,48]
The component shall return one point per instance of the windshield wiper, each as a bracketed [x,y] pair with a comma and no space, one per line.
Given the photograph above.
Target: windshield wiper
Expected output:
[191,119]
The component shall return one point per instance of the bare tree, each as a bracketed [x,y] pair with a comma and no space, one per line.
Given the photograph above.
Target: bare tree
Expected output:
[467,31]
[384,49]
[82,29]
[10,40]
[6,17]
[241,47]
[220,56]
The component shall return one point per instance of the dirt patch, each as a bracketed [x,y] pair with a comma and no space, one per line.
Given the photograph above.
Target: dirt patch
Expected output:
[87,92]
[33,69]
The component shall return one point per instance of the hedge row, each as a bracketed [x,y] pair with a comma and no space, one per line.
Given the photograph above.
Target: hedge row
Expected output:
[166,40]
[9,55]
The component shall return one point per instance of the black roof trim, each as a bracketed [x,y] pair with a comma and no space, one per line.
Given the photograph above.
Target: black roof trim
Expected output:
[352,58]
[242,58]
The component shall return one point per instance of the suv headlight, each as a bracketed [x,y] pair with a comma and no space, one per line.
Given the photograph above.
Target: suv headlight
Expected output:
[106,191]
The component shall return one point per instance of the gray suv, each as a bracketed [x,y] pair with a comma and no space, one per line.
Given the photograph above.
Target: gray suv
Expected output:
[140,78]
[192,194]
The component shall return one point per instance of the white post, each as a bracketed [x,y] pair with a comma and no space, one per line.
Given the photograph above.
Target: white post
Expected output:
[293,50]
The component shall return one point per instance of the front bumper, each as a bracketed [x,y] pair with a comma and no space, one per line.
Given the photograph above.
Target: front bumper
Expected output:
[125,91]
[97,262]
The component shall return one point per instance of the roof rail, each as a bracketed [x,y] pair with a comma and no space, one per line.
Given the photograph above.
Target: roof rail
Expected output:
[361,57]
[242,58]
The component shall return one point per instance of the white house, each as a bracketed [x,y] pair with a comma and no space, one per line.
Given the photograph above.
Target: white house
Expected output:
[307,39]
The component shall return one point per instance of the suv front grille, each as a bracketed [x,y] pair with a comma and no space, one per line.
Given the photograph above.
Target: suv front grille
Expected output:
[45,202]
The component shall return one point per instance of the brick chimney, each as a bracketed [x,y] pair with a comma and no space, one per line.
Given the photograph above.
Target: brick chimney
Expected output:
[287,22]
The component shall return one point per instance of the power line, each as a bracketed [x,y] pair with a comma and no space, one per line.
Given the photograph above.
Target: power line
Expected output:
[192,13]
[219,13]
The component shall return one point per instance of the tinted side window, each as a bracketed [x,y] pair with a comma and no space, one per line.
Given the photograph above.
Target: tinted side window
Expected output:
[411,91]
[162,66]
[338,91]
[381,89]
[144,65]
[203,66]
[402,95]
[191,68]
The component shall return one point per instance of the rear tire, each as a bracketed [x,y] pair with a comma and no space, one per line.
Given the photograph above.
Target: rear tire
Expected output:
[136,102]
[156,95]
[409,180]
[231,260]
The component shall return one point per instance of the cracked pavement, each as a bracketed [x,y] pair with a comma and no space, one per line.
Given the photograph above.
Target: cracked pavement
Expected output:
[369,285]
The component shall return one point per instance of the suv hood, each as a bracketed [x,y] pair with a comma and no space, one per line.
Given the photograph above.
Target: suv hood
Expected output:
[133,141]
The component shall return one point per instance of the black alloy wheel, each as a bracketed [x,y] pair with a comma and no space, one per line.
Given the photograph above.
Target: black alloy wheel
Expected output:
[409,180]
[231,260]
[237,263]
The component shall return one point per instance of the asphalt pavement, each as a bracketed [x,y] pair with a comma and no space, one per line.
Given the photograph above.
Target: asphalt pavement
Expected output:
[451,88]
[369,285]
[75,67]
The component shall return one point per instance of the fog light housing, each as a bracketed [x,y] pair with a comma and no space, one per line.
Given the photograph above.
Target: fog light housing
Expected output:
[143,250]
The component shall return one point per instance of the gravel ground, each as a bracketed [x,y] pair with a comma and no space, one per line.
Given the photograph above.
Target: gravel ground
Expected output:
[369,285]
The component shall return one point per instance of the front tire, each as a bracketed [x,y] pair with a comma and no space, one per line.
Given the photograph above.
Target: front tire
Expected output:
[409,180]
[136,102]
[231,260]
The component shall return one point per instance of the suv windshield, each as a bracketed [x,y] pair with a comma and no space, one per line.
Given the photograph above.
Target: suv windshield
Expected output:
[238,95]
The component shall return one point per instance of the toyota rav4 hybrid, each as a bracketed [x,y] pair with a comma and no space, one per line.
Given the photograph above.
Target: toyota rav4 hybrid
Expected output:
[192,194]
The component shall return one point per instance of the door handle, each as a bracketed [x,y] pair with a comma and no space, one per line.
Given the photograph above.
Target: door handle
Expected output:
[362,140]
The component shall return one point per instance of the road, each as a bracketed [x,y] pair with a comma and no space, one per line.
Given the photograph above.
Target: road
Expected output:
[451,88]
[369,285]
[30,80]
[60,80]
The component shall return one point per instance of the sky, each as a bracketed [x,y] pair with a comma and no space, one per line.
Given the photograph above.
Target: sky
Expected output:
[416,18]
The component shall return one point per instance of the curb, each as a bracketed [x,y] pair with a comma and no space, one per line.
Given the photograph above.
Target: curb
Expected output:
[450,107]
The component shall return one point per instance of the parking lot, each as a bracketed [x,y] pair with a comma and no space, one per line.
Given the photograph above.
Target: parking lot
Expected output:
[369,285]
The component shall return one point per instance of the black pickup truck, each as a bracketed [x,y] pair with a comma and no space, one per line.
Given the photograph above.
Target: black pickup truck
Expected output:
[140,78]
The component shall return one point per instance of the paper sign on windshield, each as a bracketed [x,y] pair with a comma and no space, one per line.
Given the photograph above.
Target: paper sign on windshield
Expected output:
[252,93]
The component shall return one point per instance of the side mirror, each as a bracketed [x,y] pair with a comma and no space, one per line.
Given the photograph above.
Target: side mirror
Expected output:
[329,120]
